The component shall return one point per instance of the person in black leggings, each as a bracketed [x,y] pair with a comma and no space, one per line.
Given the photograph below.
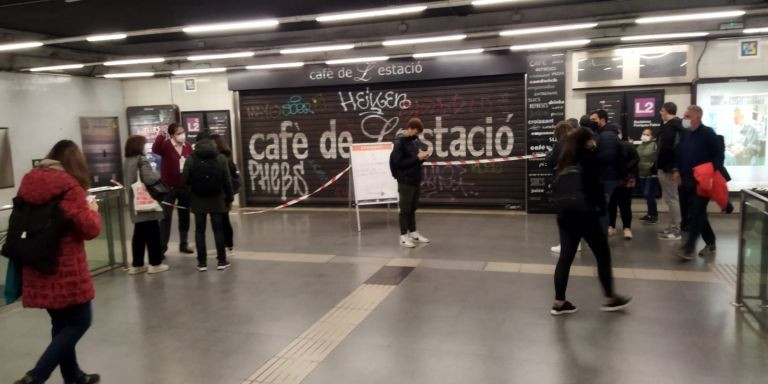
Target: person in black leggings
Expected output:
[575,225]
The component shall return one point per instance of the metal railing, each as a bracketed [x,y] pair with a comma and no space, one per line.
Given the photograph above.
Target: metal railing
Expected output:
[752,277]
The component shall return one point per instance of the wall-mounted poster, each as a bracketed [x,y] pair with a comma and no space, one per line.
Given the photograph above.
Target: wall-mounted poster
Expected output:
[150,121]
[749,49]
[6,160]
[635,66]
[190,85]
[215,121]
[633,111]
[101,146]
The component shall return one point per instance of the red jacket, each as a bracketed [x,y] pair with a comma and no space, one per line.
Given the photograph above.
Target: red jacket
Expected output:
[170,167]
[711,184]
[72,283]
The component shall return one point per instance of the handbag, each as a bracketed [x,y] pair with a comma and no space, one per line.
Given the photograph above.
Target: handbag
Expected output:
[159,190]
[142,200]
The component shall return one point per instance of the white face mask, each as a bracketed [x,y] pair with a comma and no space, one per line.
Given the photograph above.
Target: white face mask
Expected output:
[687,123]
[621,137]
[180,138]
[645,138]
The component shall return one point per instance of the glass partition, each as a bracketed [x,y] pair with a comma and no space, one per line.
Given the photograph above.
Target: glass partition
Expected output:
[752,290]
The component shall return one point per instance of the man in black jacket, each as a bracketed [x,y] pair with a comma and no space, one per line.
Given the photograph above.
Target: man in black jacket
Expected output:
[667,164]
[609,155]
[405,164]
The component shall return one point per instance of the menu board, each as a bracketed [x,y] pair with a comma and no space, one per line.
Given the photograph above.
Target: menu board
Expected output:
[611,102]
[546,107]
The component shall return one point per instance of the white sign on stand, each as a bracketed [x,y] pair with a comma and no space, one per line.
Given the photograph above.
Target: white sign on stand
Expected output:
[371,177]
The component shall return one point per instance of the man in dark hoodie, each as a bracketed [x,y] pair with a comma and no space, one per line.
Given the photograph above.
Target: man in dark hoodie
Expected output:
[206,173]
[405,164]
[609,155]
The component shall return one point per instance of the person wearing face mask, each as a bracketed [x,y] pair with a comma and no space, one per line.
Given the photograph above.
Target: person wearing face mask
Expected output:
[609,155]
[647,151]
[667,160]
[699,147]
[174,149]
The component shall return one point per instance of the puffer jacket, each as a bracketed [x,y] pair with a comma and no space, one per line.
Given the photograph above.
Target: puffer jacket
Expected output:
[72,283]
[609,153]
[206,149]
[648,153]
[404,161]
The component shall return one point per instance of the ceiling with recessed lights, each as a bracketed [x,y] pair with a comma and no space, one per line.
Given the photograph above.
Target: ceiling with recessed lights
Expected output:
[178,36]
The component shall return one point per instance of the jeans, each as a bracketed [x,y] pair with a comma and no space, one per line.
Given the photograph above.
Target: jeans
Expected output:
[146,234]
[671,196]
[217,223]
[572,229]
[409,202]
[649,187]
[229,233]
[68,326]
[182,196]
[698,221]
[621,199]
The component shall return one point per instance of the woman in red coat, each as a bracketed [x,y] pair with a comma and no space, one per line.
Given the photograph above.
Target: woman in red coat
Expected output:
[66,294]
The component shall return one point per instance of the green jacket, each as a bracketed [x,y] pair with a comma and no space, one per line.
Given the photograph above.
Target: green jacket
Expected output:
[647,152]
[206,149]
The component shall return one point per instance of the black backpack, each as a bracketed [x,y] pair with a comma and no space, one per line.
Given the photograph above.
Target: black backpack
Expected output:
[568,191]
[34,234]
[205,177]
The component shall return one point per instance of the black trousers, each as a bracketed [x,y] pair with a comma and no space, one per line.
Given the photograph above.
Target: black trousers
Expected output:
[181,198]
[217,223]
[68,326]
[229,233]
[574,227]
[685,201]
[147,235]
[698,220]
[409,202]
[621,198]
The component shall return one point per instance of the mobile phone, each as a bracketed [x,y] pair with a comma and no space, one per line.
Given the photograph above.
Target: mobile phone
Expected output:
[90,198]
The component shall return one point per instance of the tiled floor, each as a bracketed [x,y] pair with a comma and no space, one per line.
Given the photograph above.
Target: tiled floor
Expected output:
[472,307]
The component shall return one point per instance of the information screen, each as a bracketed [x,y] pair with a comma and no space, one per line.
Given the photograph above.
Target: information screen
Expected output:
[738,110]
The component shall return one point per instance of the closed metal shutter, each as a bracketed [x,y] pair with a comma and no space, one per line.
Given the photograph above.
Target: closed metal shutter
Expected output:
[295,140]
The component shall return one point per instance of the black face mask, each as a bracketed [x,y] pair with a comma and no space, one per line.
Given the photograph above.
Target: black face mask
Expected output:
[591,125]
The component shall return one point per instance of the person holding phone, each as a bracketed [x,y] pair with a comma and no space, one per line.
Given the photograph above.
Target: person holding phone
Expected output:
[405,164]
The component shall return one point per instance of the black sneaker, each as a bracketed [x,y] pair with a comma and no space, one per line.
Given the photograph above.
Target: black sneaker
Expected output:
[202,267]
[708,251]
[645,218]
[26,380]
[184,248]
[617,303]
[87,379]
[223,265]
[652,220]
[565,309]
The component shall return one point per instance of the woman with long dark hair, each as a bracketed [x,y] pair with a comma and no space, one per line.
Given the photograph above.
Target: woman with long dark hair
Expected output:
[578,150]
[223,147]
[68,292]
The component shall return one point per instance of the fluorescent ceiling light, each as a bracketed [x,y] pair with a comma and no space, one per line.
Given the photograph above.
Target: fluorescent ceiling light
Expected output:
[135,61]
[220,27]
[422,40]
[358,60]
[492,2]
[555,28]
[57,67]
[554,44]
[276,65]
[180,72]
[322,48]
[689,17]
[684,64]
[664,36]
[221,56]
[393,11]
[15,46]
[756,30]
[448,53]
[124,75]
[111,36]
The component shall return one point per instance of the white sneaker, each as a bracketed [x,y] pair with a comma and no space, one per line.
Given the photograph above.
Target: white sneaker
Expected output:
[406,241]
[556,249]
[158,268]
[415,236]
[136,270]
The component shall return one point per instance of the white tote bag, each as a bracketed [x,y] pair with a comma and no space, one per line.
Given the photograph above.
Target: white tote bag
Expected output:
[142,201]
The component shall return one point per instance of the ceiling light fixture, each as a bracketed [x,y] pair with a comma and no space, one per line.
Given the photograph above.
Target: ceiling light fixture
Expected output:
[664,36]
[238,25]
[555,28]
[150,60]
[57,67]
[492,2]
[689,17]
[358,60]
[322,48]
[15,46]
[684,64]
[275,66]
[111,36]
[756,30]
[181,72]
[393,11]
[221,56]
[423,40]
[448,53]
[127,75]
[554,44]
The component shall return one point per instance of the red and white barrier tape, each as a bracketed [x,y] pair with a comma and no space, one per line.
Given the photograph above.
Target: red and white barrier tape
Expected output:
[486,161]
